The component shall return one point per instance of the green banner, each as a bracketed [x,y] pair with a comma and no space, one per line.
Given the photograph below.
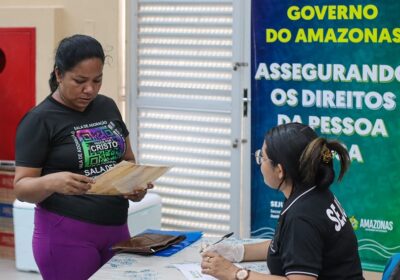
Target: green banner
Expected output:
[334,65]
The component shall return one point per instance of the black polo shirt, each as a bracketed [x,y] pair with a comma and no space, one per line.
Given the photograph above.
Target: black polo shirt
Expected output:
[314,237]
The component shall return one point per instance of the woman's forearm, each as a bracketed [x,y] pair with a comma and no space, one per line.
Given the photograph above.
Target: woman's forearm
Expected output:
[256,251]
[32,189]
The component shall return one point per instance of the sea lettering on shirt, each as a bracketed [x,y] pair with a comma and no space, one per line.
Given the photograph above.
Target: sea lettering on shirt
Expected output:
[337,215]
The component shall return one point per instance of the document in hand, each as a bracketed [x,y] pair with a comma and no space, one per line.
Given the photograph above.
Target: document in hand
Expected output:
[126,177]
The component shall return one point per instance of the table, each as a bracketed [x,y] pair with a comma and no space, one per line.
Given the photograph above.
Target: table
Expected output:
[134,267]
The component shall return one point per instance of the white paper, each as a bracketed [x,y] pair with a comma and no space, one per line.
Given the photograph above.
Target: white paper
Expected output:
[192,271]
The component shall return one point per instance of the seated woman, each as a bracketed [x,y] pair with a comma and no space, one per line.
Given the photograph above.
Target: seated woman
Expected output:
[313,238]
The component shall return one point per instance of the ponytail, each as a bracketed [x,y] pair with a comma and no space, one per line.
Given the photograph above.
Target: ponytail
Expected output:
[316,165]
[53,80]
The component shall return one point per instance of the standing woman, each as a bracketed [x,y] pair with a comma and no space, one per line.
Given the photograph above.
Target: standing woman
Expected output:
[313,238]
[72,136]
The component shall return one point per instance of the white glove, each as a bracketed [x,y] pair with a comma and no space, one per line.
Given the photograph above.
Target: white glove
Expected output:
[231,252]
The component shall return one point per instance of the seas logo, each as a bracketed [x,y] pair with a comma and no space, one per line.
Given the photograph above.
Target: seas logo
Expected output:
[336,214]
[372,225]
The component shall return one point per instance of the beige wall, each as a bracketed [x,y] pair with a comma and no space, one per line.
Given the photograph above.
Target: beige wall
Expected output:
[55,19]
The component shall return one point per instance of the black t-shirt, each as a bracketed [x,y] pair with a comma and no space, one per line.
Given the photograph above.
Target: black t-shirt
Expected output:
[57,138]
[314,237]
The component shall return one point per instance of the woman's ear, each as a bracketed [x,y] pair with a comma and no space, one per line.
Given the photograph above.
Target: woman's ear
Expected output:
[58,75]
[281,171]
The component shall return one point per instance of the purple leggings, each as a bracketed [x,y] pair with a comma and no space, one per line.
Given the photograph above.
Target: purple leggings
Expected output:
[65,248]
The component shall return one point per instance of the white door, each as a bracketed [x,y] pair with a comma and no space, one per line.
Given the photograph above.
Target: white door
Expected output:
[188,76]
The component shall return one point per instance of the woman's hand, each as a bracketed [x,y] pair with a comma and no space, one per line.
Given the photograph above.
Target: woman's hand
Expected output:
[217,266]
[231,252]
[136,195]
[139,194]
[30,186]
[68,183]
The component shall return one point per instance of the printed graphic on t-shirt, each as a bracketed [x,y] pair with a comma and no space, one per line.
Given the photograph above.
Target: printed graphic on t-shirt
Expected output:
[99,145]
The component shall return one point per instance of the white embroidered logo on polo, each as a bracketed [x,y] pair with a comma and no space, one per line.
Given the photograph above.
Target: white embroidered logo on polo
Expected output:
[337,215]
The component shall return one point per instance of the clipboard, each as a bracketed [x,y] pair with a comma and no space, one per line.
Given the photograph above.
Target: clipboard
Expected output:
[126,177]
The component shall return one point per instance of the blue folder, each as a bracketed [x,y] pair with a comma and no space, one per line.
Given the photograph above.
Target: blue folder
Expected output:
[191,237]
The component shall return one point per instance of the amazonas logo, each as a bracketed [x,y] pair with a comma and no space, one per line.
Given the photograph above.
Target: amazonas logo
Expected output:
[372,225]
[354,222]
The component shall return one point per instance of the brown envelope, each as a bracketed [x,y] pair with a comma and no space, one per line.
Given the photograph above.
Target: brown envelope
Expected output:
[126,177]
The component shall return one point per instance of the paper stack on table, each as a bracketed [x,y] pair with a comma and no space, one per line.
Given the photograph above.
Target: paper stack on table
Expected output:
[126,177]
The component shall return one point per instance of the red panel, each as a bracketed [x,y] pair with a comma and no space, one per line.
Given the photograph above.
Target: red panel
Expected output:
[17,83]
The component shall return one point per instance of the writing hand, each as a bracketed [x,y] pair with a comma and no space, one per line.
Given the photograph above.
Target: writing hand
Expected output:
[216,265]
[231,252]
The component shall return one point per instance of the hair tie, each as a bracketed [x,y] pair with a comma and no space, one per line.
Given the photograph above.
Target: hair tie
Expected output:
[326,154]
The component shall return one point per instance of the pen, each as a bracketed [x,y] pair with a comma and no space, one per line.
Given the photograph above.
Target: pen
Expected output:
[218,241]
[223,237]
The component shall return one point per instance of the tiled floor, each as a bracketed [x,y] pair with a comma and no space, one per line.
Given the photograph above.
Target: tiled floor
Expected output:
[9,272]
